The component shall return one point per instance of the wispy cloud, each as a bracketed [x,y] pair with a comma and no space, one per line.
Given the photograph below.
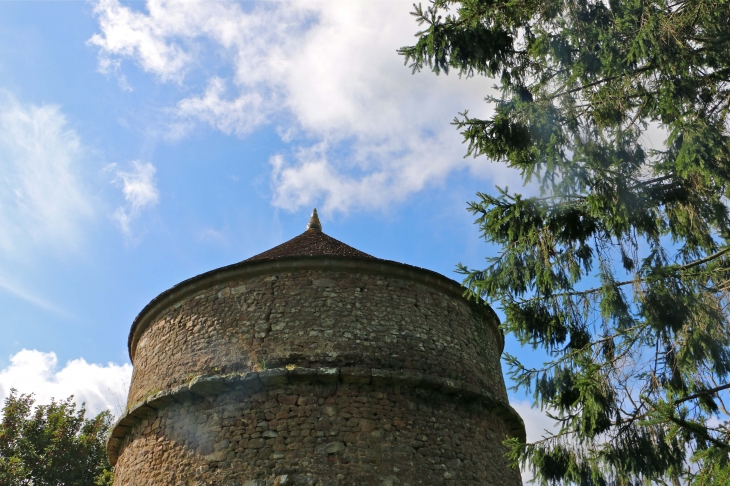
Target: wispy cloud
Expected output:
[42,200]
[101,387]
[24,294]
[363,132]
[140,191]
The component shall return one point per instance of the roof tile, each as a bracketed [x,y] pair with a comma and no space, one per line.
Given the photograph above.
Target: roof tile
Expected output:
[311,243]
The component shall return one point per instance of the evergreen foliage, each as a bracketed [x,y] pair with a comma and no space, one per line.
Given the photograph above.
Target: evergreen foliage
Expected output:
[52,445]
[620,269]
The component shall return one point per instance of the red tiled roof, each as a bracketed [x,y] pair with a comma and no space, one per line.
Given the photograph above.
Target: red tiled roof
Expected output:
[311,243]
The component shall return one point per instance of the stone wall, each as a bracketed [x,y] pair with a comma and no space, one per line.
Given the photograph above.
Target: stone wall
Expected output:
[315,371]
[317,434]
[318,317]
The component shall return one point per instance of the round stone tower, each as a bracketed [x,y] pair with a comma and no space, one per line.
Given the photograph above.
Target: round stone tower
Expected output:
[314,363]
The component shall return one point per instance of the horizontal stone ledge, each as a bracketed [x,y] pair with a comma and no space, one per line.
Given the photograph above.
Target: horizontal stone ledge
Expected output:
[213,385]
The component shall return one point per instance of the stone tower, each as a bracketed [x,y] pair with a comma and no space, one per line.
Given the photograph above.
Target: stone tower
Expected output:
[314,363]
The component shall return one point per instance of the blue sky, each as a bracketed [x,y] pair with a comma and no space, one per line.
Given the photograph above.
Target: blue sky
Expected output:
[142,143]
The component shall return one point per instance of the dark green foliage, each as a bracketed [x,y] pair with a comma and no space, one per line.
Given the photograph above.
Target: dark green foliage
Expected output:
[52,445]
[620,270]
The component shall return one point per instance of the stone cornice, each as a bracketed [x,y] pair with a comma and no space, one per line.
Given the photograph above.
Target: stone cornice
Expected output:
[212,385]
[243,270]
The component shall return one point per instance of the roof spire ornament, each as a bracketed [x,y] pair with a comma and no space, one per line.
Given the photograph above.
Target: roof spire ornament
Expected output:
[314,224]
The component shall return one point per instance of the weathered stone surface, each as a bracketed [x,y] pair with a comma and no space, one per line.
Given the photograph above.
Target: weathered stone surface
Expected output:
[127,420]
[359,435]
[303,375]
[328,375]
[330,448]
[432,382]
[160,400]
[279,376]
[234,380]
[449,386]
[112,448]
[181,392]
[381,377]
[323,376]
[141,410]
[402,378]
[251,381]
[462,390]
[467,390]
[207,385]
[362,320]
[120,431]
[355,375]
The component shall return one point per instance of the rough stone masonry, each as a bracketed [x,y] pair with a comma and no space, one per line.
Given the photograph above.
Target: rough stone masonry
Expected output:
[315,364]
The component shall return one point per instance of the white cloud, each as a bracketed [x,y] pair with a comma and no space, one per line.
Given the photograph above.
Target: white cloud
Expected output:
[363,131]
[100,387]
[131,34]
[231,116]
[139,189]
[537,425]
[42,200]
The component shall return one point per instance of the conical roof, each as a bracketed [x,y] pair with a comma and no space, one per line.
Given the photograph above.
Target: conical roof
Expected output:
[313,242]
[283,258]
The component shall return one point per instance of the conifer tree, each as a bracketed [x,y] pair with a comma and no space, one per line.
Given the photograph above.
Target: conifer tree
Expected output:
[619,268]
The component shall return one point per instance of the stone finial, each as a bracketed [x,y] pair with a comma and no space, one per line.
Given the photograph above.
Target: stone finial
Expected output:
[314,224]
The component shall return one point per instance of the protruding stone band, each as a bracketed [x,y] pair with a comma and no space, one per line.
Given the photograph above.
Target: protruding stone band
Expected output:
[254,381]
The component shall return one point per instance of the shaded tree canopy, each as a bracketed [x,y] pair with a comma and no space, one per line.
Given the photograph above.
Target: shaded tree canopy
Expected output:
[618,268]
[52,445]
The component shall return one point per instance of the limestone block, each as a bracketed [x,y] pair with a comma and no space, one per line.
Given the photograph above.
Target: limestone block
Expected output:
[328,375]
[160,400]
[303,375]
[274,377]
[355,376]
[381,377]
[330,448]
[403,378]
[207,385]
[127,420]
[120,431]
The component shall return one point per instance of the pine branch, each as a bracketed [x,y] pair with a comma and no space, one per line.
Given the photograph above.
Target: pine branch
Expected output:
[706,259]
[702,393]
[627,282]
[607,79]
